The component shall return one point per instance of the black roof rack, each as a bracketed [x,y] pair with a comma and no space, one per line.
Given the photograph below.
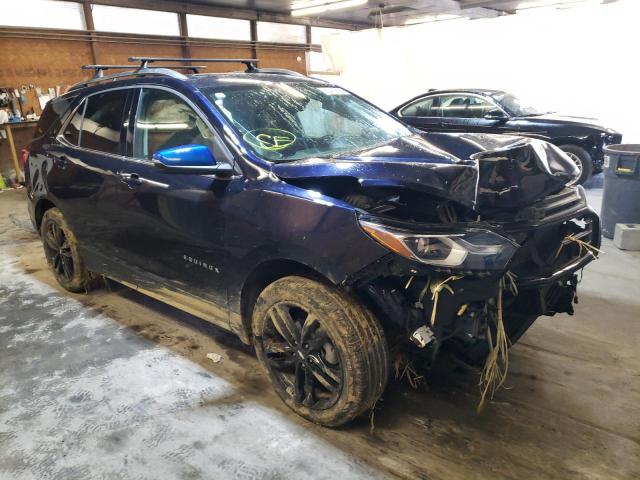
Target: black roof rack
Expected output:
[99,69]
[169,70]
[250,63]
[281,71]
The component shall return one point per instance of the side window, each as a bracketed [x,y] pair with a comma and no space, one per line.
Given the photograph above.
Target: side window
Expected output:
[465,106]
[425,107]
[455,106]
[478,107]
[164,120]
[103,121]
[72,131]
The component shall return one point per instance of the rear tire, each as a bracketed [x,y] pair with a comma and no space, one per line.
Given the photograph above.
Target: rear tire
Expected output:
[583,159]
[61,251]
[326,355]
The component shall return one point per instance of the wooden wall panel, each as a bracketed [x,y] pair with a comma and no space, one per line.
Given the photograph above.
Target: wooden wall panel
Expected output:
[47,63]
[44,63]
[220,52]
[118,53]
[283,59]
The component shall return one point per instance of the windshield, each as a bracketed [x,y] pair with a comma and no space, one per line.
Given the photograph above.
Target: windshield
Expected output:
[285,121]
[515,106]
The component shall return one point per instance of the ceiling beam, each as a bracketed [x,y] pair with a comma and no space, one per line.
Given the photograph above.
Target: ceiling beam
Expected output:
[226,12]
[491,4]
[88,20]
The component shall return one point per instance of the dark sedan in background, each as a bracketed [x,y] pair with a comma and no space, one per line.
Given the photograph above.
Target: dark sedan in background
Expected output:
[496,111]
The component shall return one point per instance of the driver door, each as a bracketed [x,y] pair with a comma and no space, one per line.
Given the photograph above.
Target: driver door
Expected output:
[172,223]
[478,108]
[456,114]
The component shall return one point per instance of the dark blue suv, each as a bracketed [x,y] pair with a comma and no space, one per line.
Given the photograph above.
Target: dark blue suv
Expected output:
[310,223]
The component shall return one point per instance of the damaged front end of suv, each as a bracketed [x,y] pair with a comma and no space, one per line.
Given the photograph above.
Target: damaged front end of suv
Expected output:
[478,249]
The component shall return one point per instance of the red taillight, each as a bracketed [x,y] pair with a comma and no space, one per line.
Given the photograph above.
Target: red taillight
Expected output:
[24,157]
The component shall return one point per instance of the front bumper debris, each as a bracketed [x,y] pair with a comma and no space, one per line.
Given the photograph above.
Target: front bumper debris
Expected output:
[556,239]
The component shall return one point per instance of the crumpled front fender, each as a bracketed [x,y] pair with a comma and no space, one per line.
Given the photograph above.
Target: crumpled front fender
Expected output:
[518,175]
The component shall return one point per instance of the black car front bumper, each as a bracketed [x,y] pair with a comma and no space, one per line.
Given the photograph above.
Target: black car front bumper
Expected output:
[597,152]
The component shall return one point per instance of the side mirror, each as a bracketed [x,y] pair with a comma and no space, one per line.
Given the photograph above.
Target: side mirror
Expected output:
[190,159]
[495,114]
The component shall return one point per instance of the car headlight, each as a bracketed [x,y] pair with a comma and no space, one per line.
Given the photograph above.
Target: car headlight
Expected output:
[608,136]
[475,249]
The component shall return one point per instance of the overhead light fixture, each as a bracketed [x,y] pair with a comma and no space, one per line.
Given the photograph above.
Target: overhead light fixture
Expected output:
[313,7]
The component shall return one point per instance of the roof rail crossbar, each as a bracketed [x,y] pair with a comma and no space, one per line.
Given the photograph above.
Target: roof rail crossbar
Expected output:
[132,72]
[281,71]
[250,63]
[99,69]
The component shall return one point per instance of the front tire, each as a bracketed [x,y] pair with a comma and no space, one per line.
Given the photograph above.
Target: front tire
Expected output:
[61,251]
[582,159]
[326,355]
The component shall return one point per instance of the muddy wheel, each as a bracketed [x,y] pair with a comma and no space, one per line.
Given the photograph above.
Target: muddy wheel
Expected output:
[61,250]
[326,355]
[583,161]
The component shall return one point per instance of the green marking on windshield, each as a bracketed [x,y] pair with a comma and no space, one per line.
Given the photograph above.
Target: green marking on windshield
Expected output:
[272,139]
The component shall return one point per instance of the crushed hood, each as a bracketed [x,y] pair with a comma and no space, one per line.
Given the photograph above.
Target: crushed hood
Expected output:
[513,171]
[476,170]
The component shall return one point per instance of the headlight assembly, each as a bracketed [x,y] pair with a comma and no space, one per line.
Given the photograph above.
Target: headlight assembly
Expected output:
[474,249]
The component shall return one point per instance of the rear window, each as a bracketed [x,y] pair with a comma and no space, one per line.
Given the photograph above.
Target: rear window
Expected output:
[424,107]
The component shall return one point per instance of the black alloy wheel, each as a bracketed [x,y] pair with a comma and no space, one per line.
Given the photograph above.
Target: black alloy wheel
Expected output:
[582,160]
[58,252]
[326,354]
[61,251]
[302,356]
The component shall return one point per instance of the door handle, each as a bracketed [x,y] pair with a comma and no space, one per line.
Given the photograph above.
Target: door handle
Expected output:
[131,179]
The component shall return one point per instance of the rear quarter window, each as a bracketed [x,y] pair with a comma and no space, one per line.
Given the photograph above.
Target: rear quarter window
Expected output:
[51,116]
[421,108]
[47,119]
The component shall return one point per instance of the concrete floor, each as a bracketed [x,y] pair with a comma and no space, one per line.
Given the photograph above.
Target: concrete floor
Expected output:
[114,385]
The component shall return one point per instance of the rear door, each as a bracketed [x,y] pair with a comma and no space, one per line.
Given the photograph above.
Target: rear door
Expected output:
[424,113]
[86,151]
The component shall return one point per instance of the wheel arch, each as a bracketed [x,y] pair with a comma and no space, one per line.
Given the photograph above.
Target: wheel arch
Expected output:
[585,143]
[41,207]
[263,275]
